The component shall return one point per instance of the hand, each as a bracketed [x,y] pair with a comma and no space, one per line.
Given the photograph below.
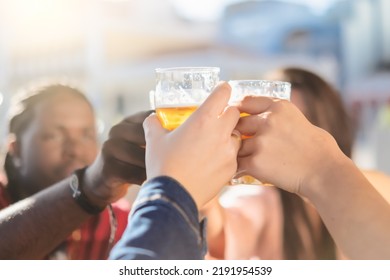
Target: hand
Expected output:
[202,152]
[286,149]
[121,162]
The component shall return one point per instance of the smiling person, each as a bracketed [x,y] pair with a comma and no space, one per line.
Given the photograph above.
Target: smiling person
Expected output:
[58,188]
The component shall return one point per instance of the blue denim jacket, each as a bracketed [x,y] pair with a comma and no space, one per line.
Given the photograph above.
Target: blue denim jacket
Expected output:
[163,224]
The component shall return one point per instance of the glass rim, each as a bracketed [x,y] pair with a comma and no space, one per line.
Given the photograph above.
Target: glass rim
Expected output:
[273,82]
[188,69]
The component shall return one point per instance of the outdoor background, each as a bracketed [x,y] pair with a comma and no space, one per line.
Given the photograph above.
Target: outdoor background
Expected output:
[111,48]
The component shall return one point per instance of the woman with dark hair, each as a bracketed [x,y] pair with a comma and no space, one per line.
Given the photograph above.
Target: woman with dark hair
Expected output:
[270,223]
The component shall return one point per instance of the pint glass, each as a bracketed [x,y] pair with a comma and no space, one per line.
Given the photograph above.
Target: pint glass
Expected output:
[179,92]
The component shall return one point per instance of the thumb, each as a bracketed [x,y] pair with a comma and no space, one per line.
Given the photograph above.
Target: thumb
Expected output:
[217,101]
[153,128]
[236,135]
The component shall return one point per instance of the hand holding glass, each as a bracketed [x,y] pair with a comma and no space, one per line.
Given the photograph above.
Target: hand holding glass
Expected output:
[242,88]
[179,92]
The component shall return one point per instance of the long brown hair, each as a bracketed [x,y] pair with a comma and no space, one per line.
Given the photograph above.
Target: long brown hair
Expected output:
[323,108]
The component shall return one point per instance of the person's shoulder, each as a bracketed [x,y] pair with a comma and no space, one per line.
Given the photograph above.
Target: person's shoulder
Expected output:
[376,175]
[380,181]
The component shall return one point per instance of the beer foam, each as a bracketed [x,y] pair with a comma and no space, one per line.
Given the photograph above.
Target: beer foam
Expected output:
[161,106]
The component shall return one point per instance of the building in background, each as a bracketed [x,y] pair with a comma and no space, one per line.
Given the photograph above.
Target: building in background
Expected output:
[111,49]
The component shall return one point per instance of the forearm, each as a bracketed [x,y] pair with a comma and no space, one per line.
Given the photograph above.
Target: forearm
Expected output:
[164,225]
[33,227]
[356,215]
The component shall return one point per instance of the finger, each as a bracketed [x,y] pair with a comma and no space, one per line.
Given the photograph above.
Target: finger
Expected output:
[129,173]
[131,132]
[131,128]
[251,125]
[138,118]
[216,101]
[248,147]
[236,135]
[124,151]
[230,118]
[153,128]
[255,104]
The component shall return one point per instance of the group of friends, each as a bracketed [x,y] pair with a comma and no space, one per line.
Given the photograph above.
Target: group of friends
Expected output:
[62,194]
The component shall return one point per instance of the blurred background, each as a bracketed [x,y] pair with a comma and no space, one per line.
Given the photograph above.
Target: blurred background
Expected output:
[111,48]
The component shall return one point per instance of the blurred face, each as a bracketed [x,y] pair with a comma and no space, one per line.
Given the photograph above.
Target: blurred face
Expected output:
[60,139]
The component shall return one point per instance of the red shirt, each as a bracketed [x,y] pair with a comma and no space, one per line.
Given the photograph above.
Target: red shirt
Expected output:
[90,241]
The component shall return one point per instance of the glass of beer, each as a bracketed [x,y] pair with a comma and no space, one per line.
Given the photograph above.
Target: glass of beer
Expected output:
[242,88]
[179,92]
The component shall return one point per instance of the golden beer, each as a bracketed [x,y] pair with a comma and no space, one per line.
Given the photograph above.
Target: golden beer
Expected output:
[172,117]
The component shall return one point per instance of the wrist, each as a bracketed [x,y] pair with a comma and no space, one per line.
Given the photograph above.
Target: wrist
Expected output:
[324,165]
[326,177]
[183,184]
[77,185]
[93,187]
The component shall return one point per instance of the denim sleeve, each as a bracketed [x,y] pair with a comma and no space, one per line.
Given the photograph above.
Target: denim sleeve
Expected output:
[163,225]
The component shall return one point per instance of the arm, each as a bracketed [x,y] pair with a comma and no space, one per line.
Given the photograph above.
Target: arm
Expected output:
[309,162]
[33,227]
[164,225]
[355,214]
[158,228]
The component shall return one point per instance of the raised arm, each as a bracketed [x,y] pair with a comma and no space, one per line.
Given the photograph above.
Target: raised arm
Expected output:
[289,152]
[182,177]
[33,227]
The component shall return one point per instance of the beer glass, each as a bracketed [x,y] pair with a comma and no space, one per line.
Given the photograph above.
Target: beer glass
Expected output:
[179,92]
[242,88]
